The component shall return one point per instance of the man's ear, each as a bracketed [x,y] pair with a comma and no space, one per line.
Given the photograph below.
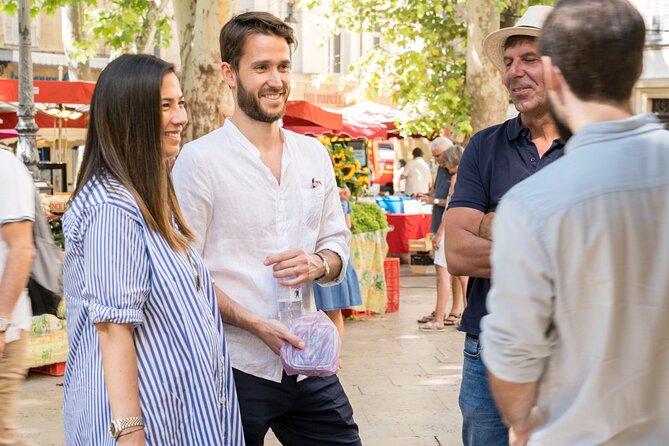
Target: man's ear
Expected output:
[228,74]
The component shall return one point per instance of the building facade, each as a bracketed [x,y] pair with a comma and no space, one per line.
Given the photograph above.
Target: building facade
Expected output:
[651,93]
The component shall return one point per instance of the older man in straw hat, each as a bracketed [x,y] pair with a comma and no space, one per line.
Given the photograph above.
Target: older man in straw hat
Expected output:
[496,159]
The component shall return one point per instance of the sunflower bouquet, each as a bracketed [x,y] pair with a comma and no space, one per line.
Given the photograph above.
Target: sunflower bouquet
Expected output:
[347,169]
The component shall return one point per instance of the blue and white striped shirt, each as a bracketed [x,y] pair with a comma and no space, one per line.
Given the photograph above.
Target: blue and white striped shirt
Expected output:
[118,270]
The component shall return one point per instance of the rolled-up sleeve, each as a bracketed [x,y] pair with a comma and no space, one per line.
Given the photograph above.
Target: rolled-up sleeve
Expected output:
[516,336]
[116,267]
[470,190]
[333,234]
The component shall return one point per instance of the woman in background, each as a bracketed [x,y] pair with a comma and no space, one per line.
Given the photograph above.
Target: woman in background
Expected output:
[452,157]
[346,294]
[148,363]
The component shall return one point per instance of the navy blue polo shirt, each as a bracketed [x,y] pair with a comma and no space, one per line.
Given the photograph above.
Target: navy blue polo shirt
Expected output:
[442,183]
[495,159]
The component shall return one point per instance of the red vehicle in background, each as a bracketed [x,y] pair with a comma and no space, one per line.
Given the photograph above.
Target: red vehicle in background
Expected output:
[375,157]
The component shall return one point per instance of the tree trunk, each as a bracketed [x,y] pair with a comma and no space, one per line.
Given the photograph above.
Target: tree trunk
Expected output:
[72,20]
[484,82]
[512,13]
[199,23]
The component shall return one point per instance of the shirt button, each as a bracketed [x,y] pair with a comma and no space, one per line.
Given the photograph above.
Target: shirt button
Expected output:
[222,401]
[532,159]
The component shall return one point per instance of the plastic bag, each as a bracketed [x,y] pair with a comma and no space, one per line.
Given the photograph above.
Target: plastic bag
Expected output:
[320,356]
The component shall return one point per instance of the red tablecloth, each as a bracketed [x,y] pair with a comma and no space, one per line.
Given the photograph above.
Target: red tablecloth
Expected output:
[407,227]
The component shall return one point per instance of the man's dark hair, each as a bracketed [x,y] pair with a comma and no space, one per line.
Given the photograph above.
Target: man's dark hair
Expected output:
[235,33]
[598,46]
[515,40]
[417,152]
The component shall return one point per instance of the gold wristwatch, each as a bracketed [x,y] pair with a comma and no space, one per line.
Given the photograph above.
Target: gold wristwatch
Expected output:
[120,424]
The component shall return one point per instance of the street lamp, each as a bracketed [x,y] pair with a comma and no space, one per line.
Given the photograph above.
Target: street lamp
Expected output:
[290,19]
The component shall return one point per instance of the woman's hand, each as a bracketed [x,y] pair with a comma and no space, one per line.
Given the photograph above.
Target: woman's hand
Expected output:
[437,238]
[133,436]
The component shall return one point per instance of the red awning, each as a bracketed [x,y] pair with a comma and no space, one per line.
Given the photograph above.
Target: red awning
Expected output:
[50,92]
[303,113]
[9,121]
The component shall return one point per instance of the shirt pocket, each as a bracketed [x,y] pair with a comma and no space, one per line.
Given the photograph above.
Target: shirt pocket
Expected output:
[312,206]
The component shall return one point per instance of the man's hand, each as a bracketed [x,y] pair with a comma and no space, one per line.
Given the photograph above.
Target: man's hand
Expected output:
[425,198]
[274,334]
[2,344]
[519,432]
[296,263]
[485,229]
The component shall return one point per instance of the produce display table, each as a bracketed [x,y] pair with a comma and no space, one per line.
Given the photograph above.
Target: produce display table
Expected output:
[407,227]
[367,253]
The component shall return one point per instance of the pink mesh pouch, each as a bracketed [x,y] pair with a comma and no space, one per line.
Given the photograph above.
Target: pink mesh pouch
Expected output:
[320,356]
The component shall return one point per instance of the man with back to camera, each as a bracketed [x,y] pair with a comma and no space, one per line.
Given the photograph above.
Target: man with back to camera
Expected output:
[273,219]
[17,213]
[417,174]
[495,159]
[583,249]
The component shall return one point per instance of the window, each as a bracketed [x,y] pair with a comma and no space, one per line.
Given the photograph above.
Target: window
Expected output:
[10,26]
[661,109]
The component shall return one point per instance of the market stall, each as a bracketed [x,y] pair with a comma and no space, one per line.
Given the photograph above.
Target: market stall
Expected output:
[407,227]
[62,117]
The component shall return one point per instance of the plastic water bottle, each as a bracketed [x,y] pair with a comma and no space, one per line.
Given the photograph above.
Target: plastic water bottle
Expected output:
[290,303]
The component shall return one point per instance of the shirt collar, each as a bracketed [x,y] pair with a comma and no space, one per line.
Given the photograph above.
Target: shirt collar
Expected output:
[611,130]
[514,128]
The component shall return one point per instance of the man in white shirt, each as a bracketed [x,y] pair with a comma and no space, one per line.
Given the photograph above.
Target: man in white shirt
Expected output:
[17,212]
[417,174]
[265,207]
[576,337]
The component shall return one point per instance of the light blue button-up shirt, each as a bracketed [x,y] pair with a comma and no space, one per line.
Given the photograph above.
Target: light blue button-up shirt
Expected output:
[580,293]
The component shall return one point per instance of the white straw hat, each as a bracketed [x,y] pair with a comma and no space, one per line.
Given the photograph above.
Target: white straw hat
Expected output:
[528,25]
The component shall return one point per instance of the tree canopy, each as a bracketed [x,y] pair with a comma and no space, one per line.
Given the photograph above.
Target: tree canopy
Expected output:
[421,64]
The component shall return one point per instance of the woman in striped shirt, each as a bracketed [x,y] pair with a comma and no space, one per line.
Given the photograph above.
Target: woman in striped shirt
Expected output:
[148,362]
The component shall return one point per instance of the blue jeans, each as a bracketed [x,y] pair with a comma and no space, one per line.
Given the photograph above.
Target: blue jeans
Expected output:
[481,422]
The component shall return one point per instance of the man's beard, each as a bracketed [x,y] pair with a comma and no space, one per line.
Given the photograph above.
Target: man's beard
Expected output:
[563,130]
[249,103]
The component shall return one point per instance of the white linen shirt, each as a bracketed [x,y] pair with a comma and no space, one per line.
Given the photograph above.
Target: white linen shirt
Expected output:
[418,177]
[17,203]
[580,289]
[241,215]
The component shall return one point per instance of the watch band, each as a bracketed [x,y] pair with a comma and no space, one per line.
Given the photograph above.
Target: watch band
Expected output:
[326,266]
[119,425]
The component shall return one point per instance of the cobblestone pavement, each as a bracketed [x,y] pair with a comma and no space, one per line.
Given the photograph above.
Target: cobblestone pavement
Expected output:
[403,383]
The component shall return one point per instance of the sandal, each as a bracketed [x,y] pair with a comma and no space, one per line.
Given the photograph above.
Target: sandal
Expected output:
[452,319]
[432,326]
[426,319]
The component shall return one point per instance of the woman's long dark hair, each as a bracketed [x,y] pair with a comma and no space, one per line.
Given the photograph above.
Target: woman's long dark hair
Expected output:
[124,140]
